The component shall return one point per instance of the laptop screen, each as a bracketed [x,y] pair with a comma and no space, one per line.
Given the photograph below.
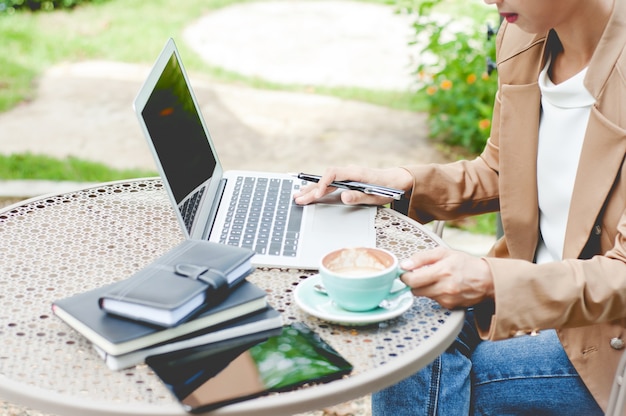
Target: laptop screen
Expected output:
[179,138]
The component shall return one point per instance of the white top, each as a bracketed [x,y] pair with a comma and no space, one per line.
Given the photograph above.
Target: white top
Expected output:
[565,114]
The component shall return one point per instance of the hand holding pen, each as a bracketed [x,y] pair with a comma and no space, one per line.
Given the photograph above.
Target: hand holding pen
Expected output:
[366,188]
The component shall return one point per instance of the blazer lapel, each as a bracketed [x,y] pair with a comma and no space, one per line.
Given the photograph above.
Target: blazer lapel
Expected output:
[605,142]
[600,161]
[520,113]
[609,50]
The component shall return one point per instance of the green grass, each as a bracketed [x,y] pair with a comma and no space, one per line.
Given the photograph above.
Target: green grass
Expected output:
[479,224]
[118,30]
[29,166]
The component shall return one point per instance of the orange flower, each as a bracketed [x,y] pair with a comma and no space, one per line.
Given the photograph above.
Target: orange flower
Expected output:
[431,90]
[484,124]
[471,78]
[446,84]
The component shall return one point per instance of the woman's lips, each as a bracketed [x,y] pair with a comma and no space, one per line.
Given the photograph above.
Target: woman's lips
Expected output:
[509,17]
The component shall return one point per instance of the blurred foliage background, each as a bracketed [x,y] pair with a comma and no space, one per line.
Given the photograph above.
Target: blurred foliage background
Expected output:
[455,85]
[10,6]
[457,68]
[452,82]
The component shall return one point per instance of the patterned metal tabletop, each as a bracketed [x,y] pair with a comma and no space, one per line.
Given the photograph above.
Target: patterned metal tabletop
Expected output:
[55,246]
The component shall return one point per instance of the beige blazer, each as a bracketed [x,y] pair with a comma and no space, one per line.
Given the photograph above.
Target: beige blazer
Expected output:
[583,296]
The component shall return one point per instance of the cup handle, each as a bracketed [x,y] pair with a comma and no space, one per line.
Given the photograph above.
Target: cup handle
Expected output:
[406,288]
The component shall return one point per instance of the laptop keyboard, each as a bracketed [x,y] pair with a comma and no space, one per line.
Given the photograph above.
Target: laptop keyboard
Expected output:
[189,209]
[262,216]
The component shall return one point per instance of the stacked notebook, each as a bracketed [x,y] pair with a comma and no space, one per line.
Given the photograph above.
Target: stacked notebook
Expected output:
[195,294]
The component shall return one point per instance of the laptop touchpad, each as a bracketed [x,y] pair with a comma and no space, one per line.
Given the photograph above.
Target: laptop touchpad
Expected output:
[337,226]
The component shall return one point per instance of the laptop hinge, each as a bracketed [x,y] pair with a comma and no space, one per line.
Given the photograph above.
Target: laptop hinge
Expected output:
[213,212]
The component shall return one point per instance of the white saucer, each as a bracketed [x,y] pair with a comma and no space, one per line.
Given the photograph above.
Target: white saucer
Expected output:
[320,306]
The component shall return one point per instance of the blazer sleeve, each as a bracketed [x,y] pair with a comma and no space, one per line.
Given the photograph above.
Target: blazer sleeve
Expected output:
[453,190]
[565,294]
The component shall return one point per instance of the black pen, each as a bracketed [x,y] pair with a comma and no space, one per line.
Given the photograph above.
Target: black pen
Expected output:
[366,188]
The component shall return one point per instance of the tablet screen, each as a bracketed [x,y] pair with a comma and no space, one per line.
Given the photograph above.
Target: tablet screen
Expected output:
[208,377]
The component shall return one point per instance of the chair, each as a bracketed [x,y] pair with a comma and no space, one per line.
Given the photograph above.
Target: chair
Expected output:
[617,399]
[438,227]
[402,206]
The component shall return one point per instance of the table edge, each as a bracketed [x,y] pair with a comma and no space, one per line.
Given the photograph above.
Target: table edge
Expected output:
[87,186]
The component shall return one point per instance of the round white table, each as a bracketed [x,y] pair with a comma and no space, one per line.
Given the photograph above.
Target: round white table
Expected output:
[58,245]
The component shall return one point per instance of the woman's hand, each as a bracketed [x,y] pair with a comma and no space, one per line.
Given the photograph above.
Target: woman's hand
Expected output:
[452,278]
[394,178]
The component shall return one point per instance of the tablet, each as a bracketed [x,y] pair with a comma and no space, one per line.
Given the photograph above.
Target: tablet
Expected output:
[207,377]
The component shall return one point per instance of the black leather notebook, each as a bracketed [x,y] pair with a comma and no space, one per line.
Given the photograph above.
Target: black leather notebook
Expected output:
[169,290]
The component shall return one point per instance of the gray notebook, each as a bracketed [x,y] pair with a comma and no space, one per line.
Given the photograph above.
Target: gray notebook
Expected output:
[189,277]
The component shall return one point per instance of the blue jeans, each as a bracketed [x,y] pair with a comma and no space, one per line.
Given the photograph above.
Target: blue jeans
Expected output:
[527,375]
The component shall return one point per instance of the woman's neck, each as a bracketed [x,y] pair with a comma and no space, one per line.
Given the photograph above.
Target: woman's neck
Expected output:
[579,38]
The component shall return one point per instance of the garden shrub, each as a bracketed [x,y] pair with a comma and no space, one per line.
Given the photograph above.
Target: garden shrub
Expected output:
[455,70]
[10,6]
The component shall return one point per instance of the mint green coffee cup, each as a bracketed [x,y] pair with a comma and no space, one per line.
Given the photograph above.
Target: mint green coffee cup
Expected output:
[358,279]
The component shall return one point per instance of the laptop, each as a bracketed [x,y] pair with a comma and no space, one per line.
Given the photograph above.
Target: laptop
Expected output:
[210,202]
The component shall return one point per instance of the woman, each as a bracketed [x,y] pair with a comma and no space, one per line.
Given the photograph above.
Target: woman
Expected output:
[547,307]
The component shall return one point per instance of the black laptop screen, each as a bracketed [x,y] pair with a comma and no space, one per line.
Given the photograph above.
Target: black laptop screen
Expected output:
[179,138]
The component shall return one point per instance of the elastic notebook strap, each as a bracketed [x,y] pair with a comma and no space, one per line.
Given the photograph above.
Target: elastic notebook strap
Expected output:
[218,285]
[216,281]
